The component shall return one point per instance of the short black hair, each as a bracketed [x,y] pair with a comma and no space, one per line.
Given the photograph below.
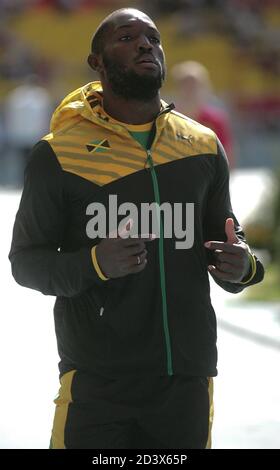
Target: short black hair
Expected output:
[98,40]
[97,43]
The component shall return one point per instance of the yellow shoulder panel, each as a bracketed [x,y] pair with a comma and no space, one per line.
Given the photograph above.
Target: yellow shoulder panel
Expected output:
[198,139]
[93,153]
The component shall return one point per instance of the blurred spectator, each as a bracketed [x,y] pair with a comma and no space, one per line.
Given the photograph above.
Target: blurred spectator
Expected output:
[10,7]
[17,60]
[67,6]
[27,114]
[194,99]
[2,149]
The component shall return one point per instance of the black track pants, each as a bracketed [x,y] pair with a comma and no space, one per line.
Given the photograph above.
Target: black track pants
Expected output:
[155,412]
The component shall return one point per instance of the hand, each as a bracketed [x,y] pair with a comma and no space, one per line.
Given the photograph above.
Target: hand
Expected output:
[232,256]
[120,256]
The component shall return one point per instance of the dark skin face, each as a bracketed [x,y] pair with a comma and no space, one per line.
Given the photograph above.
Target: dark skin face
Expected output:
[133,42]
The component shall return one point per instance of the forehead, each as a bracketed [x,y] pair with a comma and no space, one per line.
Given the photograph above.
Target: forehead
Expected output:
[130,20]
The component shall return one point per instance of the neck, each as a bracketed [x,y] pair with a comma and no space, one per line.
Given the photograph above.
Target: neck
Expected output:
[130,111]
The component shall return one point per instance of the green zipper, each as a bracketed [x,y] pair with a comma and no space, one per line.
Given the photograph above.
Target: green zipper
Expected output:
[161,265]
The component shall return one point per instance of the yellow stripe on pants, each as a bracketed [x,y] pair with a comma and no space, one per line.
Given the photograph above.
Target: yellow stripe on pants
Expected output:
[62,403]
[211,411]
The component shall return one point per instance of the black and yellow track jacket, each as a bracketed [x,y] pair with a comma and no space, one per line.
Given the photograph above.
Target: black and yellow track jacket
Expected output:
[159,321]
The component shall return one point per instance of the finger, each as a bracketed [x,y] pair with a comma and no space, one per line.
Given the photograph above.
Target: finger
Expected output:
[123,232]
[133,241]
[133,251]
[136,268]
[139,259]
[229,258]
[130,246]
[135,260]
[230,231]
[223,246]
[225,267]
[220,274]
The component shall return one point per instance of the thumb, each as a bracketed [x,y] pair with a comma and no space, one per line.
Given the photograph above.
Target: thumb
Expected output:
[230,231]
[123,232]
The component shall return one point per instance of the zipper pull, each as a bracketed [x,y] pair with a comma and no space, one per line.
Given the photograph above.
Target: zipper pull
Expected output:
[149,161]
[101,311]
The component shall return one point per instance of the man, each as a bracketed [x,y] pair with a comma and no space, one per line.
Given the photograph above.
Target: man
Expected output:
[135,328]
[194,90]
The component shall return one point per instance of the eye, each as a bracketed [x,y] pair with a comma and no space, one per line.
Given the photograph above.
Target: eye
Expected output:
[155,39]
[125,38]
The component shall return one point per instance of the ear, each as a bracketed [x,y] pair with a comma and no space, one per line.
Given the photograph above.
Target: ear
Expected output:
[95,62]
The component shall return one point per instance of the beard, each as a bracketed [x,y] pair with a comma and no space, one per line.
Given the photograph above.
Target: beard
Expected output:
[130,85]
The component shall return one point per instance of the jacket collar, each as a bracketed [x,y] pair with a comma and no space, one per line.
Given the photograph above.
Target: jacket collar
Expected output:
[87,103]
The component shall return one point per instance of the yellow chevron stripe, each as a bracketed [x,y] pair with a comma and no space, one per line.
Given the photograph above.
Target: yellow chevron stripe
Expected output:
[71,152]
[104,159]
[61,411]
[60,146]
[121,170]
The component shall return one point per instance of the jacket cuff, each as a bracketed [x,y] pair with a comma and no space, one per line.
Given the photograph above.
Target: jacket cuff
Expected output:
[253,269]
[96,265]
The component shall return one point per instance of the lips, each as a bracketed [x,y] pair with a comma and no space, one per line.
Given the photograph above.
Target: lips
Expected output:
[147,65]
[147,60]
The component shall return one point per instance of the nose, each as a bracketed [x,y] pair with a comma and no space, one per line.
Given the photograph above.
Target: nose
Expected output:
[144,44]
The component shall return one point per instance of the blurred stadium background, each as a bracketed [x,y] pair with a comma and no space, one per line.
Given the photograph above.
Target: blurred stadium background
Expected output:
[43,50]
[237,40]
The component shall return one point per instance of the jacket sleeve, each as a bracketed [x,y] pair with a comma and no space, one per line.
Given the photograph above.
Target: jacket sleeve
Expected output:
[217,211]
[35,255]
